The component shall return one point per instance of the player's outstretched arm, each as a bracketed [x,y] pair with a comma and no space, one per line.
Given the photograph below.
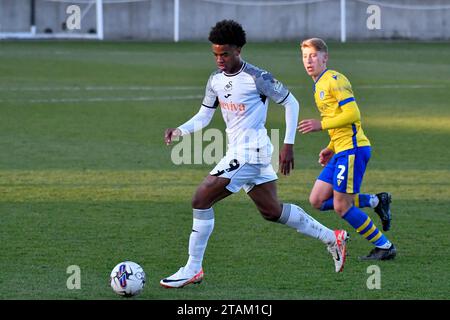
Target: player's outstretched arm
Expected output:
[197,122]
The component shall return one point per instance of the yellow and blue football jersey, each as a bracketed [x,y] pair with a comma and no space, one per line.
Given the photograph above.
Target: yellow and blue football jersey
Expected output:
[340,114]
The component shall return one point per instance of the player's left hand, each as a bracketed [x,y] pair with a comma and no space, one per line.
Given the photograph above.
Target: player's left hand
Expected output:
[309,125]
[286,159]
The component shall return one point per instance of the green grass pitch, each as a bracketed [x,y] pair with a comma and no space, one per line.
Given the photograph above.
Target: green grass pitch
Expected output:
[86,180]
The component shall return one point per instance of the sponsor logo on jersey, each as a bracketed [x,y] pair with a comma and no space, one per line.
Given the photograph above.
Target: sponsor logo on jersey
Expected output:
[321,95]
[232,106]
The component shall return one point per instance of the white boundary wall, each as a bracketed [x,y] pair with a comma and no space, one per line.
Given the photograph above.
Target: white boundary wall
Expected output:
[264,20]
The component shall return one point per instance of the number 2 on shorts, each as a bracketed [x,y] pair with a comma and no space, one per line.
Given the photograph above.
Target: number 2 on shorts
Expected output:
[340,175]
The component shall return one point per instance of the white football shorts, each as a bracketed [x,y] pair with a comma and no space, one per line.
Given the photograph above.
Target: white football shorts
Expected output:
[243,175]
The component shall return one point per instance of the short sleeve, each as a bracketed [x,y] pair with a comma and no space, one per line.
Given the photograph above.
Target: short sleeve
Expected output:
[270,87]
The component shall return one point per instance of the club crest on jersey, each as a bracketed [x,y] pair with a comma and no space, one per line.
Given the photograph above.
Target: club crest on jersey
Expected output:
[321,95]
[228,86]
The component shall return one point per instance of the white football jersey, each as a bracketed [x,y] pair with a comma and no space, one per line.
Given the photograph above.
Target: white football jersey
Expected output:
[243,100]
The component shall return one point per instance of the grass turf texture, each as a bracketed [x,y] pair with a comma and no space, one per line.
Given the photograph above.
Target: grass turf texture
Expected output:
[85,178]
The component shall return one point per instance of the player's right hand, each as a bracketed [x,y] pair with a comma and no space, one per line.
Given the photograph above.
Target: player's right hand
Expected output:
[170,133]
[286,159]
[324,156]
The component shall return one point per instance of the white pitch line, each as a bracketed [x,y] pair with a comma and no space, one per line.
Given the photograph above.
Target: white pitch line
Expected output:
[104,99]
[184,88]
[406,86]
[100,88]
[161,88]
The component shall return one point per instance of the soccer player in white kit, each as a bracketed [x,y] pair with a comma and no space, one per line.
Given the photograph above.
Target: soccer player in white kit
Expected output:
[242,92]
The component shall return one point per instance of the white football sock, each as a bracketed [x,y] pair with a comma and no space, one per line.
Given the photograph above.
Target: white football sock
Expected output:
[373,201]
[387,245]
[202,228]
[295,217]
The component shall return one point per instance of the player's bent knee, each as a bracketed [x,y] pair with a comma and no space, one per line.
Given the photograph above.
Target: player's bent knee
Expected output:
[209,192]
[200,200]
[315,202]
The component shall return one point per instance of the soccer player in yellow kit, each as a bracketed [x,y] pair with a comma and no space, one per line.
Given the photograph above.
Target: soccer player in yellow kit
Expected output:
[346,156]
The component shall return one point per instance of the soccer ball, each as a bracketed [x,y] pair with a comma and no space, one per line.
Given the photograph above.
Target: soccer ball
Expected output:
[127,279]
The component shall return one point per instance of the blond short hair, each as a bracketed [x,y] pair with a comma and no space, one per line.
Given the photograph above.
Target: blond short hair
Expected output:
[315,43]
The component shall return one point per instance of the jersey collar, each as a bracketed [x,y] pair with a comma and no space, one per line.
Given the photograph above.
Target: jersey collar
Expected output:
[320,76]
[236,73]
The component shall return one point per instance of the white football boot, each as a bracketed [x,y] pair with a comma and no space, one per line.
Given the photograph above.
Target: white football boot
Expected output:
[338,249]
[182,278]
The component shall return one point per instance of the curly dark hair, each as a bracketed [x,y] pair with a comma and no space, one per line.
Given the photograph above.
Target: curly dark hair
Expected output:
[227,32]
